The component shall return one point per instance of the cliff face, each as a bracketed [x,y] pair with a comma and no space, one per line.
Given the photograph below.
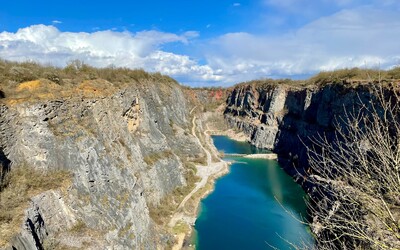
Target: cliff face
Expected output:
[289,120]
[283,118]
[125,150]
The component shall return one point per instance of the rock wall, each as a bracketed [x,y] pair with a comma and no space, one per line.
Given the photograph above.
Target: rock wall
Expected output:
[104,141]
[283,118]
[286,118]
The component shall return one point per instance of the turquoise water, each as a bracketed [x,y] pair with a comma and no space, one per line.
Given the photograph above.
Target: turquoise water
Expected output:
[255,206]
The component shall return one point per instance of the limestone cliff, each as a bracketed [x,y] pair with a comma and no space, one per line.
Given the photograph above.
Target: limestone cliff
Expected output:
[283,118]
[125,146]
[287,119]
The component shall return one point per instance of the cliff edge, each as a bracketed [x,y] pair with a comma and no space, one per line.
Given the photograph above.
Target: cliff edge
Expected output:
[124,148]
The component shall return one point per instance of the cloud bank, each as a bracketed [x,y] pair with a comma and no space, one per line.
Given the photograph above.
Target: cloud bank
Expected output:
[363,36]
[48,45]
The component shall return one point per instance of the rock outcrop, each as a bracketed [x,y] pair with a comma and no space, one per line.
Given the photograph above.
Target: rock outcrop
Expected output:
[125,149]
[290,120]
[283,118]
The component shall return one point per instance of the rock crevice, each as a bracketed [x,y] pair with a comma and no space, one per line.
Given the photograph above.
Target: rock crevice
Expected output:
[103,141]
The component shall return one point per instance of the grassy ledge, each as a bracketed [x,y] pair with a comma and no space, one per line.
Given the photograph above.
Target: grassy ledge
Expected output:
[17,187]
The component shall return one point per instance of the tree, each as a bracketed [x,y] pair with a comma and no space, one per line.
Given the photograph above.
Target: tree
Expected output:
[355,202]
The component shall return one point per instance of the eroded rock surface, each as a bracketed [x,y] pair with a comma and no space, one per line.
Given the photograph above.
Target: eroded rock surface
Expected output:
[104,142]
[283,118]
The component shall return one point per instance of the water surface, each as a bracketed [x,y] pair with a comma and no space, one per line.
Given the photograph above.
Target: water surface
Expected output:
[254,206]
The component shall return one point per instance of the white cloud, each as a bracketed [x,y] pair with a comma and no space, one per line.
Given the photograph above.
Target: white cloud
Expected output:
[56,22]
[46,44]
[350,38]
[353,37]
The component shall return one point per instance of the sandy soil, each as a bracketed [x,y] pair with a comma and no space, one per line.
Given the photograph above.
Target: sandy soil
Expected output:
[270,156]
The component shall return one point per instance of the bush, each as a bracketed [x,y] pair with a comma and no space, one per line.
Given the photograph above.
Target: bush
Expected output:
[21,74]
[356,199]
[393,73]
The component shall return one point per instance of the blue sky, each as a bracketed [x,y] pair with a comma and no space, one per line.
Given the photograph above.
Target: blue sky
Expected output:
[204,43]
[168,16]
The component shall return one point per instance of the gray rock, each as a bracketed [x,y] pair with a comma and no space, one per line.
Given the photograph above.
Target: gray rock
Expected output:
[103,142]
[290,116]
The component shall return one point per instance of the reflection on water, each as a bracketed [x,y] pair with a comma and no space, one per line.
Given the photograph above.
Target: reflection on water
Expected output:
[245,210]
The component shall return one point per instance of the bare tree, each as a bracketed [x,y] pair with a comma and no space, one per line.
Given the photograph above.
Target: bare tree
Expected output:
[355,202]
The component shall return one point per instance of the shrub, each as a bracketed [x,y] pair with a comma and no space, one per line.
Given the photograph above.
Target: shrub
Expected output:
[356,198]
[393,73]
[161,212]
[21,74]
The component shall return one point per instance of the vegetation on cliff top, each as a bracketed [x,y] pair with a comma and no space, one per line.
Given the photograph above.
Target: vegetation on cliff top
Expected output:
[31,80]
[348,77]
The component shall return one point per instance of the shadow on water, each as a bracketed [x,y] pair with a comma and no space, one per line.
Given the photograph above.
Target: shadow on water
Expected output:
[245,210]
[228,146]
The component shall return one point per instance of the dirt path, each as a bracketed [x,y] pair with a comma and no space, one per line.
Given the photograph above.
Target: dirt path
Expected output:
[204,172]
[191,111]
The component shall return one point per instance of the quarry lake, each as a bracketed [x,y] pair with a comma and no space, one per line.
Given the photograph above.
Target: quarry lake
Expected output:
[255,206]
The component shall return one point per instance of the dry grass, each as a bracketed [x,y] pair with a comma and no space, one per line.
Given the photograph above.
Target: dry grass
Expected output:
[161,213]
[355,200]
[345,76]
[152,158]
[263,83]
[354,75]
[79,227]
[31,85]
[94,88]
[193,203]
[28,81]
[180,227]
[18,186]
